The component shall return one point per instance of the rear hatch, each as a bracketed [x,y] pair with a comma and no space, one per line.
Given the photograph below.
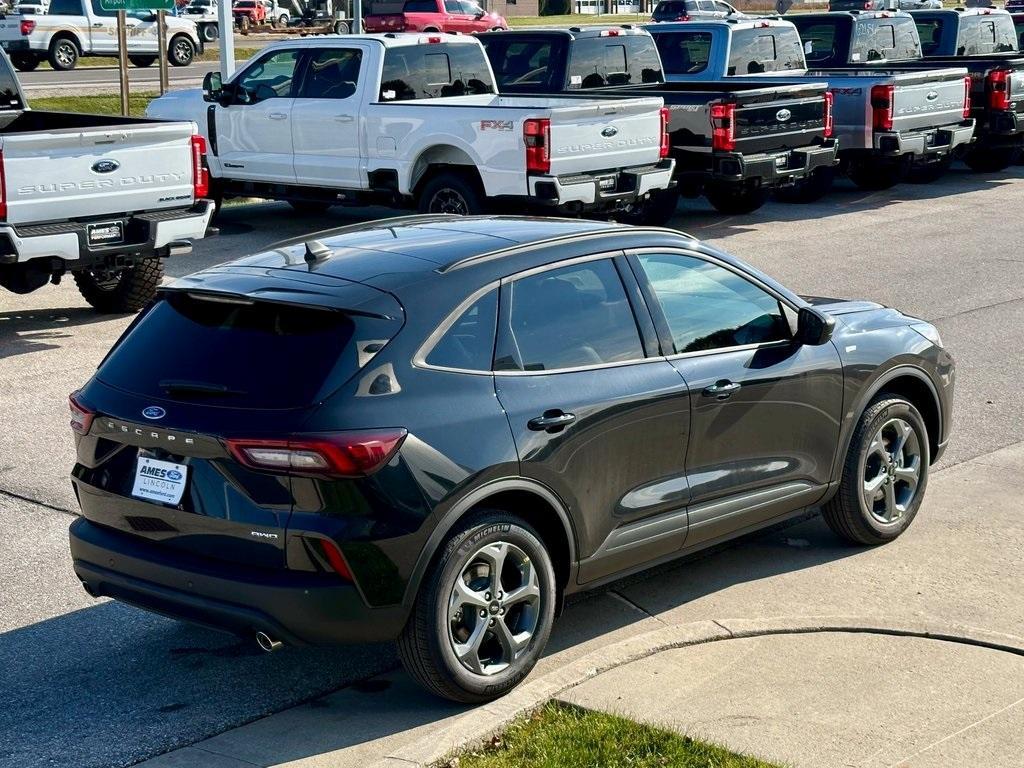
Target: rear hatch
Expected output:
[992,73]
[778,117]
[928,99]
[230,354]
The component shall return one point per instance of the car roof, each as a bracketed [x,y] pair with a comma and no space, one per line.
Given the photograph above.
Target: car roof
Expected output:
[734,23]
[387,39]
[572,33]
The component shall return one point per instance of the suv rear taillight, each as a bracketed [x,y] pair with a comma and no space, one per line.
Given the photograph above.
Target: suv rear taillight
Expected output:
[537,135]
[339,454]
[829,125]
[200,173]
[723,127]
[967,97]
[882,107]
[27,27]
[81,417]
[664,133]
[999,89]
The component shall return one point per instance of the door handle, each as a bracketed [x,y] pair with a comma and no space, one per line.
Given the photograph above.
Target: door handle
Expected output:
[344,118]
[552,421]
[721,389]
[98,24]
[277,116]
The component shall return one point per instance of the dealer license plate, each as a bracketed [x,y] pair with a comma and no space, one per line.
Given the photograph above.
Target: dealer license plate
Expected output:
[107,233]
[162,481]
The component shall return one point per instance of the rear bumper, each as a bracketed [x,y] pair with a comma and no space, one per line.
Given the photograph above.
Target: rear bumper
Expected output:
[146,235]
[15,46]
[297,608]
[932,141]
[1001,129]
[774,169]
[607,189]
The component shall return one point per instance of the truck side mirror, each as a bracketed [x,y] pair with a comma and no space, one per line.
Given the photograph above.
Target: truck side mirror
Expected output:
[814,328]
[212,86]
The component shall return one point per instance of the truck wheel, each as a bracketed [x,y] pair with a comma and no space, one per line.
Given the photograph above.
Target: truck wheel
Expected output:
[809,190]
[208,32]
[984,160]
[25,62]
[875,175]
[657,210]
[731,199]
[243,25]
[181,52]
[63,54]
[282,20]
[450,193]
[484,611]
[884,476]
[142,61]
[341,28]
[127,291]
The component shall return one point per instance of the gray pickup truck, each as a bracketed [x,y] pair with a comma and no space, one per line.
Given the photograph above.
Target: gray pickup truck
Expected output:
[734,142]
[889,122]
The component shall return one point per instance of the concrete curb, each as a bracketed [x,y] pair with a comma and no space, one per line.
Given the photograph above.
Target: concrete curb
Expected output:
[477,726]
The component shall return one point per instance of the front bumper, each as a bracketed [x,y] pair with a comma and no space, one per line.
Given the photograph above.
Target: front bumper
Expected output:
[774,168]
[608,189]
[296,607]
[146,235]
[932,141]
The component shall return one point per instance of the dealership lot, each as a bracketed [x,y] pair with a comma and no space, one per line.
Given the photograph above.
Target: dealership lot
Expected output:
[104,684]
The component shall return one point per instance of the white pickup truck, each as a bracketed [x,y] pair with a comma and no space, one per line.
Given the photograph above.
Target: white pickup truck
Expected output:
[75,28]
[104,198]
[414,121]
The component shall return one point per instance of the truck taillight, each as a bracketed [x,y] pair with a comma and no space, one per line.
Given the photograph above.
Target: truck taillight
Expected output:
[967,97]
[200,173]
[664,133]
[723,127]
[999,89]
[882,106]
[537,135]
[27,27]
[829,125]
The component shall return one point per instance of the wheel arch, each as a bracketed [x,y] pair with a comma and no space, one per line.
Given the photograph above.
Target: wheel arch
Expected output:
[65,34]
[439,158]
[914,385]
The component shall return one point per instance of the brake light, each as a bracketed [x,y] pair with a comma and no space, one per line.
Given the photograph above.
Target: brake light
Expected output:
[81,417]
[967,97]
[609,33]
[999,89]
[882,107]
[200,173]
[341,454]
[723,127]
[27,27]
[664,133]
[829,99]
[433,40]
[537,135]
[3,189]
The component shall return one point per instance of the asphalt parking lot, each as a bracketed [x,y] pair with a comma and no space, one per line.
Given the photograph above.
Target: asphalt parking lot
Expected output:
[99,684]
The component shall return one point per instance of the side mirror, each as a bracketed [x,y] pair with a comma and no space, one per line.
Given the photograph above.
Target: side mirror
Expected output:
[212,86]
[481,14]
[813,328]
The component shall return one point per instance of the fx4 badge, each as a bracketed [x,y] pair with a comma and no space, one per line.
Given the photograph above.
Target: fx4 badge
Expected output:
[496,125]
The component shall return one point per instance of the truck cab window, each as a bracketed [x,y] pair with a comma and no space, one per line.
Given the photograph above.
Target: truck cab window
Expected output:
[522,65]
[98,10]
[430,71]
[66,8]
[269,78]
[930,31]
[752,53]
[600,61]
[989,34]
[819,40]
[331,74]
[684,53]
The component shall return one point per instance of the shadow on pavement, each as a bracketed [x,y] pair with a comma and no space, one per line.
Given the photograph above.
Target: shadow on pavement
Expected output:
[24,331]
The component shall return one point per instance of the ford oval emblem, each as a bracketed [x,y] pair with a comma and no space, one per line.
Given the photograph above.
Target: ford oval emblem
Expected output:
[783,115]
[932,95]
[609,132]
[105,166]
[174,475]
[154,412]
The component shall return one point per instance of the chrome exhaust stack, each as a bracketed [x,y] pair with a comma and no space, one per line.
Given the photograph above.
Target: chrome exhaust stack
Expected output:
[267,643]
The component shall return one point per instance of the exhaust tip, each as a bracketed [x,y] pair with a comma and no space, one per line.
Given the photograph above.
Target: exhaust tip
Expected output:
[267,643]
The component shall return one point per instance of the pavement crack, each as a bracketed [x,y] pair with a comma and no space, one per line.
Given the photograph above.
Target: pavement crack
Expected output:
[976,309]
[635,606]
[720,624]
[43,504]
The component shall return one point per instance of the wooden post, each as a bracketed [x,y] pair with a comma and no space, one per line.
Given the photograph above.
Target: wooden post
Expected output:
[161,33]
[122,59]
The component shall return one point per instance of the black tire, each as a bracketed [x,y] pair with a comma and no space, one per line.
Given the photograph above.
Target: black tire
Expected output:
[426,645]
[809,190]
[309,207]
[987,160]
[847,513]
[209,32]
[130,291]
[181,51]
[875,176]
[282,21]
[142,61]
[244,24]
[341,28]
[450,193]
[63,54]
[926,174]
[25,62]
[735,200]
[657,210]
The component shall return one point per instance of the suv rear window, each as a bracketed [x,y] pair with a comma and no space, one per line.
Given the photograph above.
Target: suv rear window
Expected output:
[251,355]
[430,71]
[625,60]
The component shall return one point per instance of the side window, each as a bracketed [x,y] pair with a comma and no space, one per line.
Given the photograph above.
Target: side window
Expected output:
[709,307]
[67,8]
[420,6]
[567,318]
[97,10]
[469,343]
[684,53]
[331,74]
[271,77]
[429,71]
[453,6]
[723,7]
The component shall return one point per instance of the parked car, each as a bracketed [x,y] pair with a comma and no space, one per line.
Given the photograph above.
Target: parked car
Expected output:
[882,5]
[206,16]
[436,428]
[248,13]
[1014,6]
[723,135]
[414,121]
[685,10]
[75,28]
[102,198]
[435,16]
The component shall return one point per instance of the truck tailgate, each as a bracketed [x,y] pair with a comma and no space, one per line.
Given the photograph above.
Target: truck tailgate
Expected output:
[928,99]
[96,171]
[780,117]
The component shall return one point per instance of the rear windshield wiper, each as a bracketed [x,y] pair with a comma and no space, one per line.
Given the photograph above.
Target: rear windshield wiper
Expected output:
[186,387]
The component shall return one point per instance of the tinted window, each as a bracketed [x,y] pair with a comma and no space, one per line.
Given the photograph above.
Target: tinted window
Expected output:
[601,61]
[885,39]
[331,74]
[1019,26]
[684,53]
[674,8]
[986,34]
[66,8]
[709,307]
[259,355]
[930,32]
[420,6]
[753,51]
[569,317]
[270,77]
[452,6]
[525,65]
[469,343]
[9,98]
[821,41]
[429,71]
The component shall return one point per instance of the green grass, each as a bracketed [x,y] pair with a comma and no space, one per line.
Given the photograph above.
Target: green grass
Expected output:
[105,104]
[210,54]
[559,736]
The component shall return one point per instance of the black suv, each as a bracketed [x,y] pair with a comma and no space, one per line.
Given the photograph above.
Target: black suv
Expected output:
[434,428]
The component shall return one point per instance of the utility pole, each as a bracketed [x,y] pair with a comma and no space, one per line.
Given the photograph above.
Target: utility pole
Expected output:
[161,33]
[122,58]
[225,24]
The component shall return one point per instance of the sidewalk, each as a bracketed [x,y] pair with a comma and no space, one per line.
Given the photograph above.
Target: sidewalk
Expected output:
[699,647]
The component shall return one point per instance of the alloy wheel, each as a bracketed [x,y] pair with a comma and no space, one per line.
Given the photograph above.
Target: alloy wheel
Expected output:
[182,51]
[494,608]
[448,200]
[65,53]
[892,471]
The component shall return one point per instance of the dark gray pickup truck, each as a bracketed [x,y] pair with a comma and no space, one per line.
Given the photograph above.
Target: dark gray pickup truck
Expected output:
[735,142]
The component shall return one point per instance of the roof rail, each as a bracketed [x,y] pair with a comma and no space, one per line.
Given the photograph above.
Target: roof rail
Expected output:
[362,226]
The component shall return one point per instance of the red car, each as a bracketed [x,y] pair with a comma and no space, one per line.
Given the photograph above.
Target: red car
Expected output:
[436,16]
[251,10]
